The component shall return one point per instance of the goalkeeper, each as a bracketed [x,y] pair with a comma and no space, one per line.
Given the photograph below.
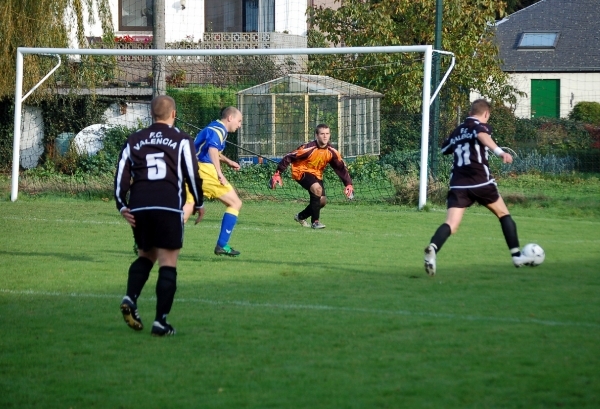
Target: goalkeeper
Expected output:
[308,163]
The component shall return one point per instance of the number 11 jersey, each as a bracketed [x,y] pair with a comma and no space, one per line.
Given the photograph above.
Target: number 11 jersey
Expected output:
[470,167]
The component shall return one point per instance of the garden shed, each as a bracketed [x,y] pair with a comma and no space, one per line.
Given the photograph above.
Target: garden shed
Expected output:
[282,114]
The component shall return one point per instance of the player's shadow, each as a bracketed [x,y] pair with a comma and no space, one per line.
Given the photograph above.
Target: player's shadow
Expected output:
[64,256]
[415,271]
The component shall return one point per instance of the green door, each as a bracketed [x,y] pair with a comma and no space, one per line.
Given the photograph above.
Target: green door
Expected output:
[545,98]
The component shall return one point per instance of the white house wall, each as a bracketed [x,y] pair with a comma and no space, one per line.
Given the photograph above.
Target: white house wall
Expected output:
[574,88]
[290,16]
[179,23]
[135,115]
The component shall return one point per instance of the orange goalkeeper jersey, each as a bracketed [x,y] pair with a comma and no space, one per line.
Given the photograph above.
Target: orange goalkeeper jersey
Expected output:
[309,158]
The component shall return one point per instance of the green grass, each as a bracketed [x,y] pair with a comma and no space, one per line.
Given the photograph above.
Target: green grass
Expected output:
[339,318]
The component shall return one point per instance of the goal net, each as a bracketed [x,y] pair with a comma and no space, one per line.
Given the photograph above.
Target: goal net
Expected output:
[79,106]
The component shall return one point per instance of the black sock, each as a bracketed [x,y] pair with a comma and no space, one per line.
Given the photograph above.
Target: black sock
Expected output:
[166,285]
[139,271]
[440,236]
[509,229]
[315,207]
[305,214]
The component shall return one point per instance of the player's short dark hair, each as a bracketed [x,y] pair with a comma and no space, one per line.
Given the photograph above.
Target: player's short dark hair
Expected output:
[228,111]
[319,127]
[161,107]
[479,106]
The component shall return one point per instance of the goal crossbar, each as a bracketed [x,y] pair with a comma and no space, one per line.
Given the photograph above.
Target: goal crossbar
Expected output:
[427,96]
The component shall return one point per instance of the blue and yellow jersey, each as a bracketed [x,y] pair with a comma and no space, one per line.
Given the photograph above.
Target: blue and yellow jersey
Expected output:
[214,135]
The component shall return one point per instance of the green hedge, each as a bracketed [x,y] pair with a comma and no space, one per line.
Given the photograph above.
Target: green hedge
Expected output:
[201,105]
[587,112]
[6,132]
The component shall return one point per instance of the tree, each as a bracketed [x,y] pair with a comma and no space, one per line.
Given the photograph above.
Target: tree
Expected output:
[44,23]
[467,32]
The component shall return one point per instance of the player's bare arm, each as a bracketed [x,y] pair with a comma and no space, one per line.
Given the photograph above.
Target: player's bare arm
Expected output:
[232,164]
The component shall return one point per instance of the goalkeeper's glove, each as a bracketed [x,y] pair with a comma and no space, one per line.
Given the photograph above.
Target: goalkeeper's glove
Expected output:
[349,192]
[275,180]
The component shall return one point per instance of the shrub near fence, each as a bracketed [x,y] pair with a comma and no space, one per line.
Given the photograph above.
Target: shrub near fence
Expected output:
[587,112]
[200,105]
[6,133]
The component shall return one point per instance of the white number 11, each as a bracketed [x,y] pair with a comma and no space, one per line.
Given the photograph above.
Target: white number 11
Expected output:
[462,153]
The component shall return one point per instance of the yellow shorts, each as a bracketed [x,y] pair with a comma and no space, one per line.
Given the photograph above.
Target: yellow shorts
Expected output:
[211,186]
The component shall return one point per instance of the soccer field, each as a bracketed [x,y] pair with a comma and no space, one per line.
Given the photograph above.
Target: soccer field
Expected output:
[344,317]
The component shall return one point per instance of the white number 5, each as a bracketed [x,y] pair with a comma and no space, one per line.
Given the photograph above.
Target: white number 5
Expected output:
[157,167]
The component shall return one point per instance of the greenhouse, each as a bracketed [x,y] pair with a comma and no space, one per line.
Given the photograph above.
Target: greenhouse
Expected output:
[282,114]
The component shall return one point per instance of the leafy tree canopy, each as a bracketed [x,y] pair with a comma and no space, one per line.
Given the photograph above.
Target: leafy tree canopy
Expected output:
[467,32]
[43,23]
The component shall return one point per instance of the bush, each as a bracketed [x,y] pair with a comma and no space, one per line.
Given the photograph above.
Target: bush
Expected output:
[399,130]
[70,113]
[550,134]
[6,133]
[201,105]
[105,161]
[504,125]
[587,112]
[366,168]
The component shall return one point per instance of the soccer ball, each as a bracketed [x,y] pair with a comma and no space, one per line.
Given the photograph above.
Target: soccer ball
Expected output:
[535,251]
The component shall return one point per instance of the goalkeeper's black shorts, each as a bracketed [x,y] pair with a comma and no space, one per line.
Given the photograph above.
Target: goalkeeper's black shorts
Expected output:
[308,180]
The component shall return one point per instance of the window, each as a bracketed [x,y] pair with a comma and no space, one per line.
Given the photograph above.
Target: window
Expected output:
[259,15]
[546,40]
[234,16]
[135,15]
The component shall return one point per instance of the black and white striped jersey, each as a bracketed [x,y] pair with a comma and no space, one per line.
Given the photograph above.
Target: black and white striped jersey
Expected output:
[470,165]
[153,166]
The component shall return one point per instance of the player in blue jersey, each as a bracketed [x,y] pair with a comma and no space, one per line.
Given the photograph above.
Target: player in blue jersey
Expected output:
[472,182]
[209,144]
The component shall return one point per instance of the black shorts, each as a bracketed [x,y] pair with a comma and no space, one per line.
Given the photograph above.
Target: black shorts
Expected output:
[158,228]
[483,195]
[308,179]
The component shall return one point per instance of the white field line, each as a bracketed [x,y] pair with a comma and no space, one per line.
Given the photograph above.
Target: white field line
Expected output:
[325,308]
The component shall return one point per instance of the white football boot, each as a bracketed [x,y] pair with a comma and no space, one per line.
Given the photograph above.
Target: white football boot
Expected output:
[522,260]
[430,260]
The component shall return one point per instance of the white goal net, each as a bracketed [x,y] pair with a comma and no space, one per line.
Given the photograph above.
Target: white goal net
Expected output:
[83,102]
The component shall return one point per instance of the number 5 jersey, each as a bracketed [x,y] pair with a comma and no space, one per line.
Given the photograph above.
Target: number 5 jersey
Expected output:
[153,166]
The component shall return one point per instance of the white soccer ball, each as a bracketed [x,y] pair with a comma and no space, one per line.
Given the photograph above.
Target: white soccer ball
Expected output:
[535,251]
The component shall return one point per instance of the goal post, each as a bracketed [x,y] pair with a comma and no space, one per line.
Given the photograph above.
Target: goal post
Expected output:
[426,98]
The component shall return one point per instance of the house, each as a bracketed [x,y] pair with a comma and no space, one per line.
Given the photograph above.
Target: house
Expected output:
[215,23]
[551,50]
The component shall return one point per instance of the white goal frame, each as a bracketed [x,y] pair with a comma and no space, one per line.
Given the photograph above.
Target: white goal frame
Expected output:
[427,97]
